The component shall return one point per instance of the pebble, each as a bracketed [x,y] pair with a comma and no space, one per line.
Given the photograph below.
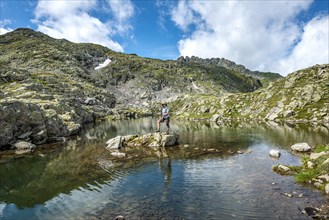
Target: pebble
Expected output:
[288,195]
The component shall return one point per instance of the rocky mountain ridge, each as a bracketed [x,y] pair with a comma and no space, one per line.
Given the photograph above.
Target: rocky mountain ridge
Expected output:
[265,77]
[300,97]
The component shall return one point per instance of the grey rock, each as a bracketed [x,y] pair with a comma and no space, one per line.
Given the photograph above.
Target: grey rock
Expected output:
[215,117]
[25,135]
[326,189]
[301,147]
[324,177]
[283,168]
[154,140]
[22,145]
[169,140]
[288,113]
[326,161]
[315,156]
[91,101]
[118,154]
[310,164]
[275,153]
[114,143]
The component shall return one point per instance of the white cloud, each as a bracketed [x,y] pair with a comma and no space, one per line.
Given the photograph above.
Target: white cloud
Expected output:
[72,20]
[258,34]
[122,12]
[5,30]
[3,24]
[312,49]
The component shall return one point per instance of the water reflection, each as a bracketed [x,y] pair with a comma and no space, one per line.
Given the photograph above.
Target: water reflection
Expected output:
[202,180]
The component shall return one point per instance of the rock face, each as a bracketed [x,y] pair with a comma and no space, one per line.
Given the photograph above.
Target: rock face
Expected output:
[301,147]
[153,140]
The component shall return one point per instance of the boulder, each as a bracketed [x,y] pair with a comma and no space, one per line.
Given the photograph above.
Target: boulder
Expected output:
[91,101]
[24,147]
[310,164]
[301,147]
[283,168]
[169,140]
[215,117]
[154,140]
[315,156]
[114,143]
[324,177]
[275,153]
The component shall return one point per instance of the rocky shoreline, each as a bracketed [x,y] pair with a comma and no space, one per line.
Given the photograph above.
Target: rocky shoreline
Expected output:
[313,172]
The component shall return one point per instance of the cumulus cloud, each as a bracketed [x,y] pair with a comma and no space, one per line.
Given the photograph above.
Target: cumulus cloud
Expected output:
[73,20]
[313,47]
[122,12]
[3,24]
[5,30]
[262,35]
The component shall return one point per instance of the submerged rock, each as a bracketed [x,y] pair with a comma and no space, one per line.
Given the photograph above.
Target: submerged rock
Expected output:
[301,147]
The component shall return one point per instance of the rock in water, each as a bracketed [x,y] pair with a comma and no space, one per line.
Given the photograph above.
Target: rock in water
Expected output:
[114,143]
[24,147]
[215,117]
[154,140]
[301,147]
[275,153]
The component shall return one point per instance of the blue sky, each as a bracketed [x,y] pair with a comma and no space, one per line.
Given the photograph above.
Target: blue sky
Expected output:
[277,36]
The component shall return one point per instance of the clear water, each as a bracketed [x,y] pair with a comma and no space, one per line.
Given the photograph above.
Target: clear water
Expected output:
[224,173]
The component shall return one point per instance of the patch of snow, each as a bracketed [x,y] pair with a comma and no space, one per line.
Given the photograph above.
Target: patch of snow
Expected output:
[102,65]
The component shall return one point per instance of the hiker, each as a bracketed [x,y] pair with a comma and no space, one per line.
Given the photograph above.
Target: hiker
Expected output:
[164,117]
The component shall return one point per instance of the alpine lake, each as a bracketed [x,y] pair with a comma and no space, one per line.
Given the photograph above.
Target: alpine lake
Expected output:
[216,172]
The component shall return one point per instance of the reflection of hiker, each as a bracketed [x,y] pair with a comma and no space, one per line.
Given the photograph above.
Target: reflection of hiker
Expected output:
[164,117]
[165,166]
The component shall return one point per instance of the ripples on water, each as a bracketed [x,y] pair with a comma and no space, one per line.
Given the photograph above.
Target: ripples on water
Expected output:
[68,183]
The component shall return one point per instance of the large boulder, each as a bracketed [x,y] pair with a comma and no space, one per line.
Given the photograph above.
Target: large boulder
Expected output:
[301,147]
[153,140]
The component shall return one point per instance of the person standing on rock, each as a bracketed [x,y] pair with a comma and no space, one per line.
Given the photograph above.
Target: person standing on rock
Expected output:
[164,117]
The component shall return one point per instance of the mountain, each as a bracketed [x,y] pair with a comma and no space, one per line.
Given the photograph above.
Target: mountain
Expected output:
[264,77]
[301,96]
[50,88]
